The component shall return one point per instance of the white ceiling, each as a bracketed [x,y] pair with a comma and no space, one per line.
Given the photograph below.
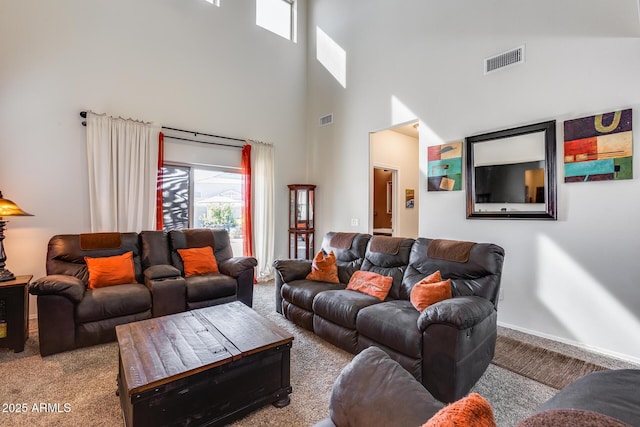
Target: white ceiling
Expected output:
[408,129]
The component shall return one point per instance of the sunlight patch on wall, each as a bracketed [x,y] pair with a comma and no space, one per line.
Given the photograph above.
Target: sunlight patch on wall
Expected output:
[429,136]
[581,303]
[331,56]
[400,113]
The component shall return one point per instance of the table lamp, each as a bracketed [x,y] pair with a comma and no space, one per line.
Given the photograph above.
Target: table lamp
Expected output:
[7,208]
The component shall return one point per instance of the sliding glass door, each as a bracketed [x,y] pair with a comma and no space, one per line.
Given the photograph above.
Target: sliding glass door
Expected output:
[198,197]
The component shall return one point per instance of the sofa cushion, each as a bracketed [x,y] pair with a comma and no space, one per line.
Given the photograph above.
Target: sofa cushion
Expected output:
[113,301]
[65,256]
[302,292]
[480,275]
[210,286]
[198,261]
[394,325]
[101,331]
[324,268]
[470,411]
[218,240]
[111,270]
[357,398]
[388,260]
[348,258]
[430,290]
[342,307]
[370,283]
[155,248]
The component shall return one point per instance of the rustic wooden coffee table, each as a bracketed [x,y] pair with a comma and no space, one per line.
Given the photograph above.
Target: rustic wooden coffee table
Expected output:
[208,366]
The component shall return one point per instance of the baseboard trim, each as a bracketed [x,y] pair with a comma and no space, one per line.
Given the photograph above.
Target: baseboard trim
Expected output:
[593,349]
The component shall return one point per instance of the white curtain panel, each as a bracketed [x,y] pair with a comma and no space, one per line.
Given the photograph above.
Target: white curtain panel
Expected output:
[263,189]
[123,166]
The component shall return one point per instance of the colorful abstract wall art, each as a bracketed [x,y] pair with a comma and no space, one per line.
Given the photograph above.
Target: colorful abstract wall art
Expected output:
[598,148]
[410,198]
[445,167]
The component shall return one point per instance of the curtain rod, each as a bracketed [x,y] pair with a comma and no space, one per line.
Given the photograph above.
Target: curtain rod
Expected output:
[206,142]
[83,114]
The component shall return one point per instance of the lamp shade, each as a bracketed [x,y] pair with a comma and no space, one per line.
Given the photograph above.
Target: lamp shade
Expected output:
[8,208]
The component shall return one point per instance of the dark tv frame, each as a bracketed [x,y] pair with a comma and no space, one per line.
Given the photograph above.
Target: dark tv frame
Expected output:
[550,213]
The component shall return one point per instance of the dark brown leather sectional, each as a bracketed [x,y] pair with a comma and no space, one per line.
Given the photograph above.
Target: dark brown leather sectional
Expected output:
[447,347]
[374,390]
[70,315]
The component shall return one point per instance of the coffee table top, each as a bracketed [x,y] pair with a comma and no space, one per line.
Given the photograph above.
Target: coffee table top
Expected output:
[163,349]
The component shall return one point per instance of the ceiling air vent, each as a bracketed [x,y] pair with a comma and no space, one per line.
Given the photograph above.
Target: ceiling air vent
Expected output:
[505,59]
[326,120]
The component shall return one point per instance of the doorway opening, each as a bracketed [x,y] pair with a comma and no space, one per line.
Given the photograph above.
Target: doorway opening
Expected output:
[394,181]
[383,200]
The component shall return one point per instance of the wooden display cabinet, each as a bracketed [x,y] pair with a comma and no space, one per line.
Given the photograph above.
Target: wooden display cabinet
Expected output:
[301,221]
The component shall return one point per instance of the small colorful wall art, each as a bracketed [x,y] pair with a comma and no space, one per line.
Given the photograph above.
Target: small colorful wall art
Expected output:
[410,200]
[598,148]
[445,167]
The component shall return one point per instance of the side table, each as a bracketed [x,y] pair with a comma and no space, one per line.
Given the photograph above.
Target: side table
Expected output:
[15,299]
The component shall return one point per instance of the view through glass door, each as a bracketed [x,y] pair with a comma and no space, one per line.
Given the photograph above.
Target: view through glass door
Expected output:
[195,197]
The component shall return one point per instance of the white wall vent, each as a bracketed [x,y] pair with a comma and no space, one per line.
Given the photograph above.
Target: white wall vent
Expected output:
[326,120]
[505,59]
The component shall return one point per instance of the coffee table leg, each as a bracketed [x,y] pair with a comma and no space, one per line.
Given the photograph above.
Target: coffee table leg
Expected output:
[281,403]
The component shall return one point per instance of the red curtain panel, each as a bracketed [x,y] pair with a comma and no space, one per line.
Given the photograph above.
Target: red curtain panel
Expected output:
[159,214]
[247,233]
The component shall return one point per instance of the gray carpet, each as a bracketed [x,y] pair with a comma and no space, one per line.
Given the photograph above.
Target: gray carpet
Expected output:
[85,379]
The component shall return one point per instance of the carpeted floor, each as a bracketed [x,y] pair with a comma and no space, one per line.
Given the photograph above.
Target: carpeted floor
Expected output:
[77,388]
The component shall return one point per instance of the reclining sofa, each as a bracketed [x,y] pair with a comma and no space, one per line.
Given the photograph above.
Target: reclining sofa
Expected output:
[374,390]
[70,315]
[447,347]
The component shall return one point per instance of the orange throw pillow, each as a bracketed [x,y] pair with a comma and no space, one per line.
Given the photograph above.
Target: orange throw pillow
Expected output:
[198,261]
[111,270]
[430,290]
[471,411]
[370,283]
[324,268]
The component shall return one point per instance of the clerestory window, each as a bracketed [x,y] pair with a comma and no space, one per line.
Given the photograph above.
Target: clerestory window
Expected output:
[277,16]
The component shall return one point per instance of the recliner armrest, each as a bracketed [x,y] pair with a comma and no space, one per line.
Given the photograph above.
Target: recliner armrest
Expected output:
[158,272]
[459,312]
[292,269]
[375,390]
[59,284]
[235,266]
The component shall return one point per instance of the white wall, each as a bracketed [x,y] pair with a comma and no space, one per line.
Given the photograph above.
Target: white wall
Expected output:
[184,64]
[400,152]
[574,279]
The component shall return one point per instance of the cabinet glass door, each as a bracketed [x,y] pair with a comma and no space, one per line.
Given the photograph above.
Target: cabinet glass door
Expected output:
[301,205]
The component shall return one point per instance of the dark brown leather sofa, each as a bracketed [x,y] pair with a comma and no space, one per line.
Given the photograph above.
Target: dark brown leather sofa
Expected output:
[70,315]
[447,347]
[374,390]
